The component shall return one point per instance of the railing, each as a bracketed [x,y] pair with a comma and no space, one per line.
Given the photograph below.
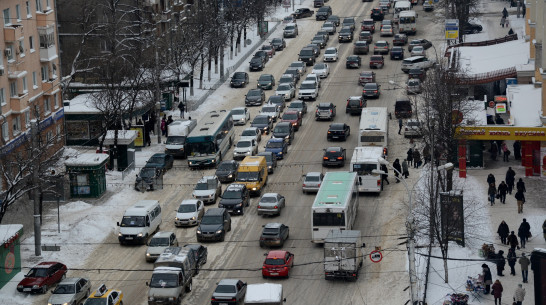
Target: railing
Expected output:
[126,171]
[482,43]
[488,77]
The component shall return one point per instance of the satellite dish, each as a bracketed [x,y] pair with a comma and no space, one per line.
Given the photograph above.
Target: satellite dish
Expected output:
[248,41]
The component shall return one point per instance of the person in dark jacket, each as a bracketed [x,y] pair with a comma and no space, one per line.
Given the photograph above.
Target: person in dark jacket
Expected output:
[503,188]
[512,240]
[497,291]
[494,150]
[521,185]
[503,232]
[398,169]
[524,262]
[400,125]
[490,179]
[517,150]
[492,192]
[510,179]
[501,262]
[512,259]
[505,13]
[523,232]
[487,278]
[416,158]
[410,156]
[385,176]
[520,197]
[544,229]
[426,153]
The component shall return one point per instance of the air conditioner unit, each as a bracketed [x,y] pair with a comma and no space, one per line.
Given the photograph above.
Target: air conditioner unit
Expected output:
[7,52]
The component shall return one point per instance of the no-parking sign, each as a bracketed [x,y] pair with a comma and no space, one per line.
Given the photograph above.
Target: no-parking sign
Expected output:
[376,256]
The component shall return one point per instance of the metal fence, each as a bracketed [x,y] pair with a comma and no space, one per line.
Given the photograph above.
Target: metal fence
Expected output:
[128,170]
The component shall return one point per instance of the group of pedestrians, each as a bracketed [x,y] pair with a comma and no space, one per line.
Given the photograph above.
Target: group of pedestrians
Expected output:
[505,188]
[497,289]
[500,148]
[165,122]
[510,239]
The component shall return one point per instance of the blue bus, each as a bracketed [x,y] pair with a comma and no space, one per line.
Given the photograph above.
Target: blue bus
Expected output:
[210,140]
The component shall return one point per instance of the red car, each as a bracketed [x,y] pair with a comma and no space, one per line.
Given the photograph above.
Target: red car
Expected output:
[377,61]
[41,277]
[368,25]
[278,263]
[294,117]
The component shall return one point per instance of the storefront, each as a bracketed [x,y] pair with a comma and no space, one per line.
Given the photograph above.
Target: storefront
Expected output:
[87,174]
[10,252]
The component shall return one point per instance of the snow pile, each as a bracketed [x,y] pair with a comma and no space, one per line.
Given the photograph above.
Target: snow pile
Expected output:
[476,60]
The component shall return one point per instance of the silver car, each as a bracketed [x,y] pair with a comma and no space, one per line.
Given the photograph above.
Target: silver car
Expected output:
[229,291]
[412,128]
[72,290]
[271,204]
[158,243]
[207,189]
[312,181]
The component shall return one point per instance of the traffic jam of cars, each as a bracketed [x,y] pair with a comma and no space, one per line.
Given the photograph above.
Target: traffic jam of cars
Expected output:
[263,143]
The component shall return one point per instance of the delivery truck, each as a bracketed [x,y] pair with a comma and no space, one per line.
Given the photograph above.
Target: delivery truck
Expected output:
[342,254]
[179,130]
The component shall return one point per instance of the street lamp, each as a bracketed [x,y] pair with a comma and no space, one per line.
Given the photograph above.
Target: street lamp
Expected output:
[409,228]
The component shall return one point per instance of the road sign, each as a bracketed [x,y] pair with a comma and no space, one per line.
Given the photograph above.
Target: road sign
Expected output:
[452,28]
[376,256]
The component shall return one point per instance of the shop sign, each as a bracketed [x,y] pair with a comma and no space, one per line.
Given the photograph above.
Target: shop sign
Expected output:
[500,99]
[500,108]
[502,133]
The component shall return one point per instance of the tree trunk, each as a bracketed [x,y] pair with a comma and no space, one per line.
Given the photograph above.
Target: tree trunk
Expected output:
[202,71]
[445,270]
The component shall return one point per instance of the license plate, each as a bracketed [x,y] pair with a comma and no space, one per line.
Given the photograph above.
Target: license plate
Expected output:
[274,273]
[223,304]
[128,238]
[332,159]
[27,289]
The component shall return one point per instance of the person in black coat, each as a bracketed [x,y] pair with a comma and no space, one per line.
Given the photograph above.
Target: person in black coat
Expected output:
[510,179]
[503,232]
[520,197]
[512,259]
[501,263]
[503,188]
[384,177]
[490,179]
[517,150]
[521,185]
[487,278]
[398,169]
[512,240]
[523,232]
[410,156]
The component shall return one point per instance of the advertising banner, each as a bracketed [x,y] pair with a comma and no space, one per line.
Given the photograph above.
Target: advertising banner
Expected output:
[452,213]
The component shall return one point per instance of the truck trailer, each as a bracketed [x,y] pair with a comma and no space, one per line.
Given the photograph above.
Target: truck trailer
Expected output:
[342,255]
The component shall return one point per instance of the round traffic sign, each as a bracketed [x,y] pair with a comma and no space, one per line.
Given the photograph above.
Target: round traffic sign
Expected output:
[376,256]
[491,104]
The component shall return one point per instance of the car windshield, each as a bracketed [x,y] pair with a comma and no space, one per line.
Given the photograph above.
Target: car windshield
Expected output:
[175,140]
[65,289]
[96,301]
[37,272]
[290,116]
[266,156]
[289,28]
[269,109]
[266,47]
[147,172]
[274,145]
[156,160]
[226,166]
[232,195]
[296,105]
[320,66]
[133,221]
[254,93]
[308,52]
[413,82]
[366,74]
[264,78]
[281,129]
[364,169]
[164,280]
[187,208]
[278,40]
[284,79]
[225,289]
[381,44]
[321,107]
[413,123]
[247,176]
[345,31]
[283,88]
[308,86]
[249,132]
[312,178]
[274,261]
[370,87]
[376,58]
[352,58]
[211,220]
[418,49]
[340,127]
[328,25]
[332,153]
[361,44]
[159,242]
[242,144]
[330,51]
[268,199]
[387,27]
[239,76]
[261,120]
[201,186]
[256,60]
[270,231]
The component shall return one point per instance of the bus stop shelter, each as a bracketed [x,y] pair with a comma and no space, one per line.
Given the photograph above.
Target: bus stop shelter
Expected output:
[87,173]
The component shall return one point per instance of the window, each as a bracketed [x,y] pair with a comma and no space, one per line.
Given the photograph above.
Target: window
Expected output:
[22,48]
[31,43]
[56,101]
[59,135]
[18,12]
[25,88]
[2,97]
[13,89]
[48,6]
[45,73]
[16,122]
[5,131]
[38,5]
[27,118]
[10,52]
[47,105]
[7,20]
[49,136]
[34,80]
[28,9]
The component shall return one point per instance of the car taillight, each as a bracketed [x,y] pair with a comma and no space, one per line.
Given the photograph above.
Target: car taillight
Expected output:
[275,207]
[340,158]
[259,206]
[319,185]
[378,182]
[330,110]
[303,185]
[325,158]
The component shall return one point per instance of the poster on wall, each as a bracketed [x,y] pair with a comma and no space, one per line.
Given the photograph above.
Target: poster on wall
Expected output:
[543,161]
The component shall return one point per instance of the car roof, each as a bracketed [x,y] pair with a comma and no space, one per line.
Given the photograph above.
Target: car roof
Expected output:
[267,153]
[275,140]
[334,148]
[331,48]
[272,225]
[283,124]
[324,105]
[235,187]
[70,280]
[276,254]
[45,264]
[229,161]
[228,282]
[159,155]
[414,57]
[313,174]
[214,211]
[189,201]
[163,234]
[337,124]
[251,128]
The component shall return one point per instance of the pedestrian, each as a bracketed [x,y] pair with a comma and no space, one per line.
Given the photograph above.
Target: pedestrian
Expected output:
[410,156]
[487,278]
[500,262]
[505,152]
[512,258]
[147,128]
[513,240]
[517,150]
[511,32]
[505,13]
[492,192]
[523,9]
[400,124]
[521,185]
[397,169]
[524,231]
[524,263]
[506,22]
[503,232]
[494,150]
[490,179]
[163,126]
[503,188]
[384,177]
[519,295]
[416,158]
[497,291]
[181,108]
[169,121]
[405,170]
[520,197]
[510,179]
[503,20]
[426,153]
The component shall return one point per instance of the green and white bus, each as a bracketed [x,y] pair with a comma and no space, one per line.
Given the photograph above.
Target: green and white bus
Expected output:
[210,140]
[335,206]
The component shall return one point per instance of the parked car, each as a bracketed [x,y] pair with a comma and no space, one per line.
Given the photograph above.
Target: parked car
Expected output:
[229,291]
[251,133]
[353,61]
[397,53]
[325,111]
[418,73]
[271,110]
[302,13]
[419,42]
[334,156]
[321,69]
[318,3]
[399,40]
[428,6]
[286,90]
[381,47]
[361,47]
[240,115]
[413,86]
[299,106]
[278,263]
[42,276]
[412,128]
[312,182]
[377,14]
[263,122]
[294,117]
[72,290]
[277,100]
[415,62]
[161,161]
[235,198]
[386,30]
[371,90]
[208,188]
[284,130]
[270,160]
[277,146]
[403,108]
[256,64]
[418,51]
[278,43]
[266,82]
[254,97]
[366,36]
[471,28]
[289,19]
[227,171]
[331,54]
[263,55]
[355,105]
[338,131]
[269,49]
[148,179]
[366,77]
[239,79]
[368,25]
[271,204]
[377,61]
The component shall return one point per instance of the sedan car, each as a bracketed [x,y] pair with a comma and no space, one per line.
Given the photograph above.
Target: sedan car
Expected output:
[105,296]
[251,133]
[41,277]
[256,64]
[208,188]
[262,54]
[73,290]
[255,97]
[271,110]
[355,105]
[377,61]
[312,182]
[189,212]
[277,100]
[397,53]
[266,82]
[371,90]
[321,69]
[331,54]
[353,61]
[338,131]
[299,106]
[158,243]
[377,14]
[289,19]
[278,43]
[149,179]
[400,40]
[381,47]
[263,122]
[277,146]
[227,171]
[271,203]
[302,13]
[294,117]
[418,51]
[471,28]
[334,19]
[269,49]
[413,86]
[278,264]
[368,25]
[386,30]
[345,35]
[412,128]
[287,91]
[300,65]
[319,40]
[366,36]
[419,42]
[366,77]
[287,79]
[361,47]
[239,79]
[428,6]
[240,115]
[229,291]
[334,156]
[418,73]
[329,27]
[200,251]
[294,72]
[274,234]
[161,161]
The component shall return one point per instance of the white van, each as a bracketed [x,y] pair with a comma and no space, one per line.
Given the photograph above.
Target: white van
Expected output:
[415,62]
[365,162]
[139,222]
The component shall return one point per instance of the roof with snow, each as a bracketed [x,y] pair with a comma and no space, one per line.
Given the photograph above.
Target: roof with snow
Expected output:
[263,293]
[125,137]
[86,160]
[86,103]
[8,231]
[525,105]
[483,59]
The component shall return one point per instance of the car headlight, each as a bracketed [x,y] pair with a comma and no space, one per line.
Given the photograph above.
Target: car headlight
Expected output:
[176,218]
[230,176]
[219,231]
[147,254]
[19,286]
[151,298]
[193,218]
[193,195]
[35,287]
[140,234]
[211,195]
[254,188]
[198,231]
[120,235]
[171,299]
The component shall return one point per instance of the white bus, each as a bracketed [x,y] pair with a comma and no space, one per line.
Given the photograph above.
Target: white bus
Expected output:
[366,165]
[210,140]
[335,206]
[407,22]
[400,6]
[374,128]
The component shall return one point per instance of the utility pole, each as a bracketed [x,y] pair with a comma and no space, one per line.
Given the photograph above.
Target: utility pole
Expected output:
[35,161]
[157,96]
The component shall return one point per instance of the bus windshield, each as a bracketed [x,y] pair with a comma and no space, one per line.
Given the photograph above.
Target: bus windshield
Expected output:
[406,20]
[201,148]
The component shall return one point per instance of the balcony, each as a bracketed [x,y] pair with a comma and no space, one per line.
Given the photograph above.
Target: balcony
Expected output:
[45,18]
[13,33]
[48,54]
[18,103]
